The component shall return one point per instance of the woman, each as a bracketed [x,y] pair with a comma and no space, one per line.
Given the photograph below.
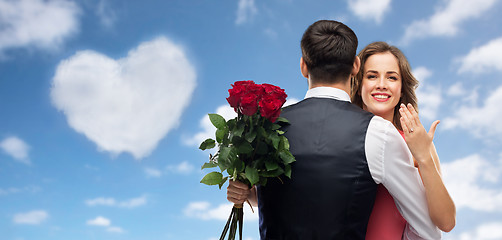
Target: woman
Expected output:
[382,86]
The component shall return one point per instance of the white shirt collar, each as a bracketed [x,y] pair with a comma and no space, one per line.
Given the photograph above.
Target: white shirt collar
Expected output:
[328,92]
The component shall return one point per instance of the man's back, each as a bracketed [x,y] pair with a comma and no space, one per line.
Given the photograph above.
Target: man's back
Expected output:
[341,152]
[331,192]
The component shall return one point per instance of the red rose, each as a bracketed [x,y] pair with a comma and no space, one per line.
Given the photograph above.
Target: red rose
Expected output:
[255,89]
[271,88]
[249,91]
[243,83]
[249,104]
[275,91]
[270,107]
[238,90]
[235,95]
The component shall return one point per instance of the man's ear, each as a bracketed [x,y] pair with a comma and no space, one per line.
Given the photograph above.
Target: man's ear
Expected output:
[303,68]
[355,66]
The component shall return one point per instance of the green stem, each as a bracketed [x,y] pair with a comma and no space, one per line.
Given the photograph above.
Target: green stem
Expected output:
[240,220]
[233,226]
[225,230]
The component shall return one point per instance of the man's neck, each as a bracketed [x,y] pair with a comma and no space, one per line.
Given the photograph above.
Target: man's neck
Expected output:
[345,86]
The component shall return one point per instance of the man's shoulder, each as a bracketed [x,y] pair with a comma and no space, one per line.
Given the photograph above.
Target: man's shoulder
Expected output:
[325,101]
[294,106]
[317,103]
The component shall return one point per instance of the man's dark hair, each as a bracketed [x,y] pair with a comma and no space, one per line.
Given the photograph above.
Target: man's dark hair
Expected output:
[329,50]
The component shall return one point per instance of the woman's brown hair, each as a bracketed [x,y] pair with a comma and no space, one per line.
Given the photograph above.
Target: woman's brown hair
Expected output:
[409,82]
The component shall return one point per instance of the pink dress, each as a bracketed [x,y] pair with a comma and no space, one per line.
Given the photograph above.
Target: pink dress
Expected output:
[386,223]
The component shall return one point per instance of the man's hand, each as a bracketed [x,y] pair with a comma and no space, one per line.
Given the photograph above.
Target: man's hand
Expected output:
[237,192]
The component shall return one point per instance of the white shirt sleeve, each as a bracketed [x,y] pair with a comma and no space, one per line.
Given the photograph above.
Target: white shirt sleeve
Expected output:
[391,164]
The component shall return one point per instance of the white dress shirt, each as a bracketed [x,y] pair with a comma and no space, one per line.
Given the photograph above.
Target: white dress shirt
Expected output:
[390,163]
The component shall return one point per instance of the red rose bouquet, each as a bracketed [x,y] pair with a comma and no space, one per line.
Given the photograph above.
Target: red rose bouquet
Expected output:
[251,147]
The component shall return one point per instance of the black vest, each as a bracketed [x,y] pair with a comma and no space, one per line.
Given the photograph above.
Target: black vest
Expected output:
[331,192]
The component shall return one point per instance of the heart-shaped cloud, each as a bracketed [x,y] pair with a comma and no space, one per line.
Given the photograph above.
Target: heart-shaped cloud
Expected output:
[125,105]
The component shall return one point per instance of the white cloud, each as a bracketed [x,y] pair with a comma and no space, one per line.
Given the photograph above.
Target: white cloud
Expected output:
[16,148]
[466,180]
[486,231]
[99,221]
[429,96]
[246,11]
[125,105]
[90,167]
[115,230]
[13,190]
[204,211]
[34,217]
[208,130]
[5,192]
[101,201]
[134,202]
[370,10]
[111,202]
[152,172]
[482,121]
[40,23]
[422,73]
[271,33]
[104,222]
[462,95]
[182,168]
[446,19]
[456,90]
[483,59]
[107,16]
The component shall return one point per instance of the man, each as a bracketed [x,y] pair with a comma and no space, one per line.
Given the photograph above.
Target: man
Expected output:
[342,153]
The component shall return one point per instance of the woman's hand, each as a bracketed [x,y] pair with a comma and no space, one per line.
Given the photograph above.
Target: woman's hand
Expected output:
[419,141]
[441,207]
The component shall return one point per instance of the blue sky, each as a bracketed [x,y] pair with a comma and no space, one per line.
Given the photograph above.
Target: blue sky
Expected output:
[103,104]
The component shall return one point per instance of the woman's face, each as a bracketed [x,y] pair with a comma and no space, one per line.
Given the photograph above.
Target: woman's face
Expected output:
[381,85]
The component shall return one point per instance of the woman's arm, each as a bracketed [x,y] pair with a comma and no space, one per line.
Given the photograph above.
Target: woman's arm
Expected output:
[441,207]
[435,156]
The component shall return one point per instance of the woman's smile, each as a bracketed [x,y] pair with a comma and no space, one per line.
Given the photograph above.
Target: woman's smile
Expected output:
[381,97]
